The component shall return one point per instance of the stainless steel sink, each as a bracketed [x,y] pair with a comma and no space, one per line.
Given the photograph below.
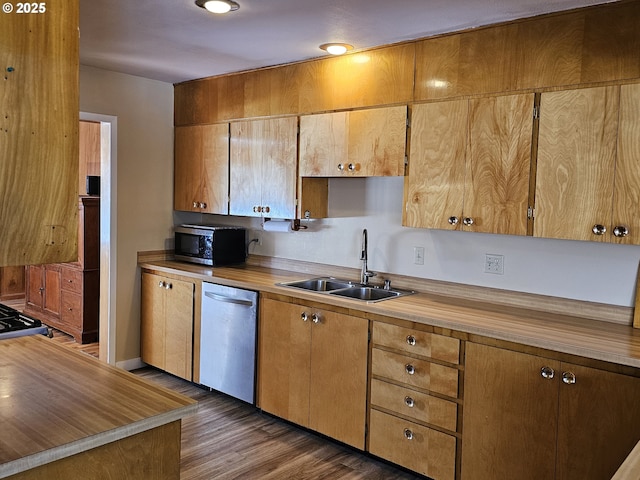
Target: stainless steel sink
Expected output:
[320,284]
[346,288]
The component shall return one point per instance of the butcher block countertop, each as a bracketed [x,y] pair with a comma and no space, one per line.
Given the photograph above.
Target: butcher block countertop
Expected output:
[573,335]
[56,402]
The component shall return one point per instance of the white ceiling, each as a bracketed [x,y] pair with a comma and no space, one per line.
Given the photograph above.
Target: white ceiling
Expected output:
[174,40]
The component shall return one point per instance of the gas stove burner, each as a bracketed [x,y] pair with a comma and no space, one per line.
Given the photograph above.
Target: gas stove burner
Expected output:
[13,323]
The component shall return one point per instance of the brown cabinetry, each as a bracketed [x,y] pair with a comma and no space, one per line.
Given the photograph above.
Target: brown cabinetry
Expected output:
[469,165]
[263,166]
[66,296]
[361,143]
[530,417]
[414,399]
[201,177]
[12,283]
[588,183]
[312,365]
[166,324]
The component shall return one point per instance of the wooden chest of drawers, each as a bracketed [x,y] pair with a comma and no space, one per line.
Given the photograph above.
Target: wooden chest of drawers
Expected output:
[414,399]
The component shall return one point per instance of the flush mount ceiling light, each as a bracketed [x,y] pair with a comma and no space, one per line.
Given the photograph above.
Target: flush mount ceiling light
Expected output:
[218,6]
[336,48]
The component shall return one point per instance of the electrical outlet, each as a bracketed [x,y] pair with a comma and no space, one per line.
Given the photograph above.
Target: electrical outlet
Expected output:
[257,236]
[418,255]
[494,264]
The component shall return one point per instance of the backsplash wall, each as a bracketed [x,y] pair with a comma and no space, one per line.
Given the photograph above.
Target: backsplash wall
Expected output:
[586,271]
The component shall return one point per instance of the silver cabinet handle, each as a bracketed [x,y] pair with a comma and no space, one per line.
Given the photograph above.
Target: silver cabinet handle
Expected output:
[468,221]
[621,231]
[340,167]
[315,318]
[161,284]
[411,340]
[453,220]
[408,434]
[168,285]
[547,372]
[225,299]
[203,205]
[195,204]
[569,378]
[410,369]
[304,316]
[266,209]
[409,402]
[351,167]
[599,229]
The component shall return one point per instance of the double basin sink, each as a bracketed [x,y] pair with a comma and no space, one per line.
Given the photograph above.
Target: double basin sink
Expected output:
[346,288]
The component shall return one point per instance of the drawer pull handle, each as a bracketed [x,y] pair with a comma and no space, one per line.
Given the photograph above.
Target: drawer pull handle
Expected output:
[408,434]
[411,340]
[408,401]
[304,316]
[410,369]
[315,318]
[569,378]
[547,372]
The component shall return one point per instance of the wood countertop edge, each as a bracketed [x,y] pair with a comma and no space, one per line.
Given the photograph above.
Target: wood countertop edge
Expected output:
[94,441]
[498,325]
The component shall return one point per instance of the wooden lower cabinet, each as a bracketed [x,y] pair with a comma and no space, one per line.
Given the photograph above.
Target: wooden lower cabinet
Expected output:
[12,283]
[414,399]
[166,324]
[531,417]
[312,365]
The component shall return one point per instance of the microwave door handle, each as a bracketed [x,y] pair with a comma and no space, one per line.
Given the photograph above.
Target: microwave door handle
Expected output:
[222,298]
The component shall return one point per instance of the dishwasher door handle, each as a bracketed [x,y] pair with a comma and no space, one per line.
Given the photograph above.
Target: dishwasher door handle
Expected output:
[223,298]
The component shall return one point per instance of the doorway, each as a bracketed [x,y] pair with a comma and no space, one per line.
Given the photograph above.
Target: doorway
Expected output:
[108,233]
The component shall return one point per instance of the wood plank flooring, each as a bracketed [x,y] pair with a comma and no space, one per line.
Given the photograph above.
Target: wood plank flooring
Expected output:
[228,439]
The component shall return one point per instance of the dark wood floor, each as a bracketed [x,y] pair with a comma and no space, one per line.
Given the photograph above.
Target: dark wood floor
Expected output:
[229,439]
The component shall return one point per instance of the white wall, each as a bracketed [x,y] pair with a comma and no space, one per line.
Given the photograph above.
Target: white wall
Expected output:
[144,182]
[578,270]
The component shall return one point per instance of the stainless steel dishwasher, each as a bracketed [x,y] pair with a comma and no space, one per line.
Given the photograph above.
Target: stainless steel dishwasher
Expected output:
[228,340]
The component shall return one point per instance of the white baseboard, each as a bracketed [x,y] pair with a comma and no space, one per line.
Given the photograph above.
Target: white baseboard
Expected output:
[131,364]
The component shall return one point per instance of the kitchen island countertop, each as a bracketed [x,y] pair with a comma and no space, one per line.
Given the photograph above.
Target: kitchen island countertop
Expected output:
[56,402]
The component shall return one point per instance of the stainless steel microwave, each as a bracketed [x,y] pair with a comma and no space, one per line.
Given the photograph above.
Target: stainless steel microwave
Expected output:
[212,245]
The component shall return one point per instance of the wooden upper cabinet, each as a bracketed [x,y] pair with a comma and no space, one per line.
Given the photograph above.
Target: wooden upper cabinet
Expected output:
[577,162]
[362,143]
[469,165]
[201,182]
[39,118]
[89,140]
[434,188]
[263,165]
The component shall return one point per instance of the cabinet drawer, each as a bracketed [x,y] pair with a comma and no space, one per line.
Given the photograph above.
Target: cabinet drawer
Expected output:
[71,280]
[427,375]
[419,406]
[71,309]
[416,342]
[413,446]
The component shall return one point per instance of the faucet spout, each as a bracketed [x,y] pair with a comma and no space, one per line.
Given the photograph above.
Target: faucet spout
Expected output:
[364,256]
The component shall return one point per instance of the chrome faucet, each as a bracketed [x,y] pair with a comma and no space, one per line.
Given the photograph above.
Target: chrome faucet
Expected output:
[366,274]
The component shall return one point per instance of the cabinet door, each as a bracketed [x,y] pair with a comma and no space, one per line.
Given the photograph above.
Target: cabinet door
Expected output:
[599,422]
[434,187]
[576,159]
[284,360]
[263,168]
[35,286]
[152,320]
[496,194]
[323,144]
[52,284]
[201,164]
[509,417]
[178,328]
[626,195]
[338,393]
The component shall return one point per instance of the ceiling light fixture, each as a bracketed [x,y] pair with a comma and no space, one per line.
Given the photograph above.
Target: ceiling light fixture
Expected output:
[218,6]
[336,48]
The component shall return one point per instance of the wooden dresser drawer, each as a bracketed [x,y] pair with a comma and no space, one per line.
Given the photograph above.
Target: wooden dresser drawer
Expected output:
[419,406]
[413,446]
[412,371]
[71,280]
[416,342]
[71,308]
